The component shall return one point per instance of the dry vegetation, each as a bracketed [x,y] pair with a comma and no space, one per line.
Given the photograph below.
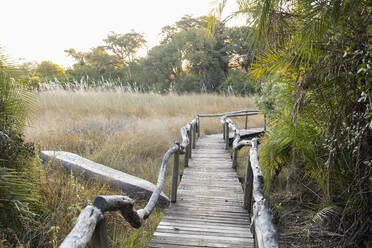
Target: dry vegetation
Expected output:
[126,131]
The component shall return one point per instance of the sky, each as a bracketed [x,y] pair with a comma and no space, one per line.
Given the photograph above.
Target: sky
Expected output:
[37,30]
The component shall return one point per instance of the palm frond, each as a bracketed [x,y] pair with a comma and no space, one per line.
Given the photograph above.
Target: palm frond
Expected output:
[269,62]
[16,101]
[327,213]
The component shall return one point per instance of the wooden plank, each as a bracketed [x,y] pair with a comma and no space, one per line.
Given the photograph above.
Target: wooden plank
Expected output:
[204,231]
[227,228]
[202,241]
[204,236]
[209,209]
[203,222]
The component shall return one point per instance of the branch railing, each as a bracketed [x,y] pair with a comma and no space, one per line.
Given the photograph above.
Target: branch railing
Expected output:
[91,223]
[261,220]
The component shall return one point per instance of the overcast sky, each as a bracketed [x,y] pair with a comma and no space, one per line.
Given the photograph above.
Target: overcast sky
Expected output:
[39,30]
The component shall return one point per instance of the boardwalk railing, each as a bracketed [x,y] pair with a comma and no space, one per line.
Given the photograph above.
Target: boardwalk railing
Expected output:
[261,220]
[91,224]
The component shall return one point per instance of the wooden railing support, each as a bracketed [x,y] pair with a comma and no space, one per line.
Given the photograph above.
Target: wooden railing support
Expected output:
[262,226]
[100,238]
[264,122]
[190,147]
[175,177]
[248,182]
[246,121]
[186,156]
[226,135]
[193,128]
[223,131]
[198,125]
[84,229]
[91,223]
[235,158]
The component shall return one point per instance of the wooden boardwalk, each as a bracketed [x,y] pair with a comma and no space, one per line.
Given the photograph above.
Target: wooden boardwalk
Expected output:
[209,210]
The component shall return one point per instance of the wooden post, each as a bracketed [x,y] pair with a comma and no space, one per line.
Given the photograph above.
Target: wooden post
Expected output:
[198,125]
[235,158]
[100,238]
[193,135]
[264,122]
[255,239]
[223,131]
[186,157]
[175,177]
[189,150]
[227,135]
[246,120]
[248,182]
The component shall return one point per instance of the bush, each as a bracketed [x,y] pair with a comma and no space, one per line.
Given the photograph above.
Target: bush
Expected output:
[238,83]
[18,194]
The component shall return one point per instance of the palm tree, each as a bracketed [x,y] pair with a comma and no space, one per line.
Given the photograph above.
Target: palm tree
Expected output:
[17,186]
[317,55]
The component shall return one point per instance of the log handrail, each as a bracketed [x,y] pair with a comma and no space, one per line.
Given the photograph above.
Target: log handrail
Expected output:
[265,233]
[261,220]
[228,113]
[91,223]
[245,113]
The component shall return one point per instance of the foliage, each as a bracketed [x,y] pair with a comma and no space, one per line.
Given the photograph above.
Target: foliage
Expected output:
[188,52]
[117,129]
[18,193]
[186,60]
[317,57]
[239,83]
[48,70]
[125,46]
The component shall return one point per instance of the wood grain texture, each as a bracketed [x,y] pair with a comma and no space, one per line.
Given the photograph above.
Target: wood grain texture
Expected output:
[209,210]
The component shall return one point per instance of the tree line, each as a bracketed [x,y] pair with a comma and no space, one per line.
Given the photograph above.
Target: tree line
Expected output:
[187,59]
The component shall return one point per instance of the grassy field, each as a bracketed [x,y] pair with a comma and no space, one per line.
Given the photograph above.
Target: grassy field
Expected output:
[126,131]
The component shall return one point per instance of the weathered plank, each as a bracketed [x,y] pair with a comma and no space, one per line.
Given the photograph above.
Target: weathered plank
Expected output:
[247,133]
[209,209]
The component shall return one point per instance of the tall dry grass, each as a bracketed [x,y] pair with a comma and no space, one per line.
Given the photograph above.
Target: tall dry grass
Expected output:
[126,131]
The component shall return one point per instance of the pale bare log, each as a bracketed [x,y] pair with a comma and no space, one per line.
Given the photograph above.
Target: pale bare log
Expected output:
[262,220]
[242,143]
[119,203]
[83,231]
[264,228]
[185,140]
[130,185]
[228,113]
[258,179]
[145,213]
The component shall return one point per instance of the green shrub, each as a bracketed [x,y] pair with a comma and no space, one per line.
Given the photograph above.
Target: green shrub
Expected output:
[18,194]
